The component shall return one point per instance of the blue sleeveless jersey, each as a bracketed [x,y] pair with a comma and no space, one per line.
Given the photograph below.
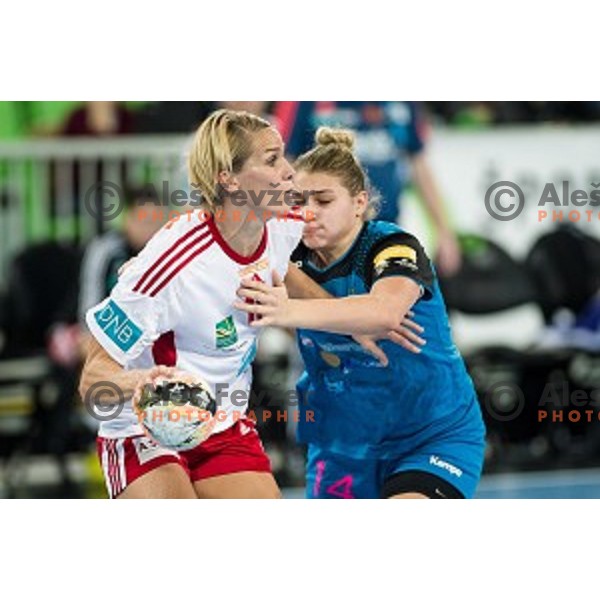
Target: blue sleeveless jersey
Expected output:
[349,403]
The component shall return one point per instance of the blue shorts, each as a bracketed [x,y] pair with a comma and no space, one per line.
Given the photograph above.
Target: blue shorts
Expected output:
[453,458]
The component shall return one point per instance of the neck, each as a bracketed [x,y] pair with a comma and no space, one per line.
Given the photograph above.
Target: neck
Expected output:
[241,229]
[332,253]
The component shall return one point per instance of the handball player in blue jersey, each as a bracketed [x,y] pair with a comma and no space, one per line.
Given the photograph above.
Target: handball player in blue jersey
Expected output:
[391,145]
[407,427]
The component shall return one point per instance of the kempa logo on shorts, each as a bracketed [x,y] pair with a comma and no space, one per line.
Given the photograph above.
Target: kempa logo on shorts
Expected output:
[118,326]
[442,464]
[226,333]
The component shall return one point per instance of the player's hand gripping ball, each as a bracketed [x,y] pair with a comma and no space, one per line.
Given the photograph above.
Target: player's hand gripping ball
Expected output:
[177,415]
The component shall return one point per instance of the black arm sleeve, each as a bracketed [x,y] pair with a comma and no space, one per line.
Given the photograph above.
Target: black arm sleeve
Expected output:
[401,255]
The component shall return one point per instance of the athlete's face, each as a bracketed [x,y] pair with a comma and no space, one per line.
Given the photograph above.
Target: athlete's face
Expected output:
[266,175]
[334,215]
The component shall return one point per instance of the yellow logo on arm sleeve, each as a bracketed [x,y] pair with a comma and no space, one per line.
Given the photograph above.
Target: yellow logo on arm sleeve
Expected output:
[395,252]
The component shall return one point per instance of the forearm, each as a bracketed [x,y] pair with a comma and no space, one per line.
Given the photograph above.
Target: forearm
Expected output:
[300,286]
[99,367]
[354,315]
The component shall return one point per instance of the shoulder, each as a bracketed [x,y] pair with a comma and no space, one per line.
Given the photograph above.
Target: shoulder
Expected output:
[382,233]
[168,253]
[186,231]
[377,229]
[389,241]
[378,234]
[394,251]
[183,223]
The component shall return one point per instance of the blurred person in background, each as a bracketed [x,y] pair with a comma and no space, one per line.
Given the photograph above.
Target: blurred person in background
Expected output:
[391,144]
[91,120]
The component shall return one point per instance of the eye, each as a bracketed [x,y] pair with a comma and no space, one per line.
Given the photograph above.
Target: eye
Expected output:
[272,160]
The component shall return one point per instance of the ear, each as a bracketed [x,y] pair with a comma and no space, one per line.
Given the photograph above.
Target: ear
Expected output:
[361,201]
[228,181]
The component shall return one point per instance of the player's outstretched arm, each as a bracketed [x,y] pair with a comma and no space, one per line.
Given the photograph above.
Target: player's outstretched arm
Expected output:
[301,286]
[376,313]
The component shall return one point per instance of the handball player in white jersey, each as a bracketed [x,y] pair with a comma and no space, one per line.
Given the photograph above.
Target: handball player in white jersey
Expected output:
[174,307]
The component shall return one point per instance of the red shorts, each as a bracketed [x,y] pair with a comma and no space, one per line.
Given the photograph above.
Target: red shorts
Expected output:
[234,450]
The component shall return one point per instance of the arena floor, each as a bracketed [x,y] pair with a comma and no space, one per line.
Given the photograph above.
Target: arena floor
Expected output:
[40,478]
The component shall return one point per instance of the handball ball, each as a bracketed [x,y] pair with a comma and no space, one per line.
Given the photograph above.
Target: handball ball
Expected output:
[177,415]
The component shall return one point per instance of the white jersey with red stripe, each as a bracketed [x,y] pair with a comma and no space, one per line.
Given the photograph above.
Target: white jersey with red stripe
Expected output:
[174,306]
